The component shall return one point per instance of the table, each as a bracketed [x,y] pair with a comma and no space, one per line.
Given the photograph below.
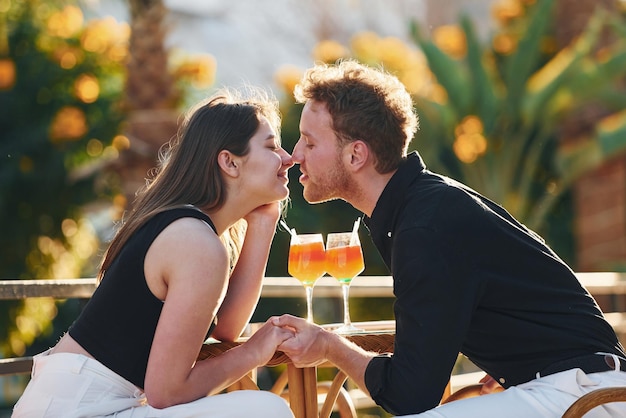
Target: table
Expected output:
[378,336]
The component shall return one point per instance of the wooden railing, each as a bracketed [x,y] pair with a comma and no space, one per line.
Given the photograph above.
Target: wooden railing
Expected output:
[610,287]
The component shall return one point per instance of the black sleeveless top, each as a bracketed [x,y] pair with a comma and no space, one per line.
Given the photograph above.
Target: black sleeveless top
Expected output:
[118,323]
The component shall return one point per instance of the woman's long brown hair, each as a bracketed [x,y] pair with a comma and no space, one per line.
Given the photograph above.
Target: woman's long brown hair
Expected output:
[188,173]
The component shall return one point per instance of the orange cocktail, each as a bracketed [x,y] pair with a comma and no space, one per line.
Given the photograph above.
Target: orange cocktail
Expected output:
[307,261]
[344,263]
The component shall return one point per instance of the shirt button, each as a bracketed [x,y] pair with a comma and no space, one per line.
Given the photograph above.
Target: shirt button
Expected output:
[501,380]
[389,234]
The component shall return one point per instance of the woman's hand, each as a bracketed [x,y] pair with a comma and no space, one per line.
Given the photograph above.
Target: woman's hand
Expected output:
[268,213]
[265,341]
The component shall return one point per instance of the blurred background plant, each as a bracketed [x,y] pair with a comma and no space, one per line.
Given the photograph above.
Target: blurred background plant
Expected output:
[508,105]
[70,140]
[60,83]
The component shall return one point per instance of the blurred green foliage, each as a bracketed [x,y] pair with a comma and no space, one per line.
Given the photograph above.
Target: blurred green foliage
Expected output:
[501,128]
[61,80]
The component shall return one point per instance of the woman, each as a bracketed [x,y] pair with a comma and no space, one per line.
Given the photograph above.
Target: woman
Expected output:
[187,263]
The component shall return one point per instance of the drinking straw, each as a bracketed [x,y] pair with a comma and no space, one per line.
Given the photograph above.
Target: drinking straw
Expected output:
[292,231]
[355,234]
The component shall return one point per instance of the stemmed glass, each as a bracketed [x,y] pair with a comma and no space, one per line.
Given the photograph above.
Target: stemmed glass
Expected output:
[344,261]
[307,264]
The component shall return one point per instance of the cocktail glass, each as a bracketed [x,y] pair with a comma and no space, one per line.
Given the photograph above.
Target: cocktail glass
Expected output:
[344,261]
[307,264]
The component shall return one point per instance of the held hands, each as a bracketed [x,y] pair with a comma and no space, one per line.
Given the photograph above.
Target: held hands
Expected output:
[267,339]
[308,346]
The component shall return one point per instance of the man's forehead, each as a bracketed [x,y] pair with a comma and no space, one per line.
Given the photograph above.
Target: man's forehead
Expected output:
[315,106]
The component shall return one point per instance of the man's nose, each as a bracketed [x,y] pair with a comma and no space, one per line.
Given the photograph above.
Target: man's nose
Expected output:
[296,154]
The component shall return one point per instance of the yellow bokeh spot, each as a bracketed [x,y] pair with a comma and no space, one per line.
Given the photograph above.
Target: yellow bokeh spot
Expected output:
[504,11]
[68,60]
[329,51]
[121,142]
[397,57]
[107,36]
[392,52]
[364,46]
[86,88]
[110,153]
[69,123]
[44,244]
[287,76]
[117,53]
[504,44]
[67,56]
[69,227]
[468,147]
[94,147]
[470,142]
[198,69]
[472,125]
[65,22]
[7,74]
[451,40]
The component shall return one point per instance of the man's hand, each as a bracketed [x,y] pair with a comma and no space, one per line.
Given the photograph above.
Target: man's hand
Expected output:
[490,385]
[313,345]
[309,346]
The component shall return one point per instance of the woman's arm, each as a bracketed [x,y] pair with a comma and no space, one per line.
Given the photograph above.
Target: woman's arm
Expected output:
[192,265]
[244,286]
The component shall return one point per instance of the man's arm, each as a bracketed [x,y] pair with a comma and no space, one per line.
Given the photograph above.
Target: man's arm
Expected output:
[313,345]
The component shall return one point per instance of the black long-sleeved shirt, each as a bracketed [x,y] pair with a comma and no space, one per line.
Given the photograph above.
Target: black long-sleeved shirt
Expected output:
[469,278]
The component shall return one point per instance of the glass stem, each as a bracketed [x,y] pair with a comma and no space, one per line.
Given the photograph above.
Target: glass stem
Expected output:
[309,303]
[346,309]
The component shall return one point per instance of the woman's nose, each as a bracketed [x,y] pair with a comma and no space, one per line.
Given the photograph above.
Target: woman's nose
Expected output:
[287,158]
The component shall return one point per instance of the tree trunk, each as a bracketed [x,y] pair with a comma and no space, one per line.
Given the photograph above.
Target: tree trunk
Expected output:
[599,197]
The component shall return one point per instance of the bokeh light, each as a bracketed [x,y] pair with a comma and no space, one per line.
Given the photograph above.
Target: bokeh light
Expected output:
[451,40]
[86,88]
[70,123]
[7,74]
[469,143]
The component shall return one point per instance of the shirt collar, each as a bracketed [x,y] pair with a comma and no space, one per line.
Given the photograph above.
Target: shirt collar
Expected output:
[387,204]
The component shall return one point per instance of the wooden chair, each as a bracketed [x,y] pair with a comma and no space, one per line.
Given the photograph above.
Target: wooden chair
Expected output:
[595,398]
[577,410]
[463,393]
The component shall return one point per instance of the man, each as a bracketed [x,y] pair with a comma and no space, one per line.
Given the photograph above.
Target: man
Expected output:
[468,277]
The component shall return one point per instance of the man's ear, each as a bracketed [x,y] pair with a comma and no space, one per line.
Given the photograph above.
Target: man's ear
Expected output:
[358,154]
[229,163]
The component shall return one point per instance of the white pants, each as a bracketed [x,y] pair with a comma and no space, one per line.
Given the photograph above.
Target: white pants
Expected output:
[72,385]
[546,397]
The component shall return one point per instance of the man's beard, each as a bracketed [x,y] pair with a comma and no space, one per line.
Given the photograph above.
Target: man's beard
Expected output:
[335,185]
